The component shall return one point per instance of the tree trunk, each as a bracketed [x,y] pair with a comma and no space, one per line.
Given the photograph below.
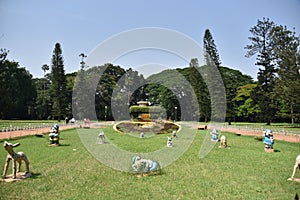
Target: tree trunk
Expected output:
[292,113]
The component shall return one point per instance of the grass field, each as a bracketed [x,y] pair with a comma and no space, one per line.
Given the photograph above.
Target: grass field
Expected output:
[244,171]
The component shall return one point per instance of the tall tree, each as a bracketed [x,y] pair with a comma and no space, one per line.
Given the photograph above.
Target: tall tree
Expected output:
[210,49]
[134,86]
[212,77]
[286,49]
[43,106]
[261,45]
[58,81]
[16,89]
[42,101]
[200,89]
[108,83]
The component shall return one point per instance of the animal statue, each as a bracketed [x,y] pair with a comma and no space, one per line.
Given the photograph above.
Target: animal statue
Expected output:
[169,142]
[214,135]
[15,157]
[268,139]
[296,166]
[223,141]
[54,135]
[174,135]
[143,166]
[142,135]
[101,137]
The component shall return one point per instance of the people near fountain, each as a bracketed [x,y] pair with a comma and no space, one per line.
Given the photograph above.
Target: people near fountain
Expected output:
[67,120]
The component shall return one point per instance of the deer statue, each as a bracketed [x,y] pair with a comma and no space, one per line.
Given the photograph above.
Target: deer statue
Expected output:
[296,166]
[15,157]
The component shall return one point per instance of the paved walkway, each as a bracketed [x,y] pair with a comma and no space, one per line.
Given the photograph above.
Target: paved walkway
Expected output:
[284,137]
[20,133]
[37,131]
[277,136]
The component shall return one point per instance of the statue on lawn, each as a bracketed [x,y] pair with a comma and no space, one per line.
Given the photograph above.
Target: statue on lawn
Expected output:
[268,140]
[143,167]
[101,137]
[15,157]
[214,135]
[54,135]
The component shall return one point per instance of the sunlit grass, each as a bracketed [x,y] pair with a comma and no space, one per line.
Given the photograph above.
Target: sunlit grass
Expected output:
[244,171]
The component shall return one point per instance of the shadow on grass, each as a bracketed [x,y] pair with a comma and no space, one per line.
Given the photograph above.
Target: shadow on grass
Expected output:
[60,145]
[64,145]
[35,175]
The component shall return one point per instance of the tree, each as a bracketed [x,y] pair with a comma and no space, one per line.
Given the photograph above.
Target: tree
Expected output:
[42,101]
[42,105]
[17,89]
[45,68]
[261,44]
[110,81]
[212,78]
[3,55]
[210,49]
[171,89]
[233,79]
[200,89]
[70,78]
[246,110]
[133,85]
[285,46]
[58,81]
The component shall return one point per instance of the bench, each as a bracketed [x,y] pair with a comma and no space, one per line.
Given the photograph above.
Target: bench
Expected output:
[202,127]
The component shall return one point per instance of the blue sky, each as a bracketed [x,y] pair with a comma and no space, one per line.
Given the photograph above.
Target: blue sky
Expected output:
[30,29]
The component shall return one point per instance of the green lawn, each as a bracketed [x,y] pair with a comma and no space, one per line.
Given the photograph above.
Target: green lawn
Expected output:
[244,171]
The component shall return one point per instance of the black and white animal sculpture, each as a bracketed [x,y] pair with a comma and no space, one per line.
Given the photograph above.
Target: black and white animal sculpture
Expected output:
[169,142]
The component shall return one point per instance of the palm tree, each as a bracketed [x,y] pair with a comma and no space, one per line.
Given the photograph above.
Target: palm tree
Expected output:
[45,68]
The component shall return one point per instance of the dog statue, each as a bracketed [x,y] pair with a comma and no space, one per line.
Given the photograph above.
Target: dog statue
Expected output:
[268,140]
[143,166]
[169,142]
[223,141]
[101,137]
[15,157]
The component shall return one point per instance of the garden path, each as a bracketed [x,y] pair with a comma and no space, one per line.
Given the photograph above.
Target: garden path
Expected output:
[36,131]
[277,136]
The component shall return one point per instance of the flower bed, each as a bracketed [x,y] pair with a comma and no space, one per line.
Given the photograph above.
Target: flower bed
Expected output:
[153,127]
